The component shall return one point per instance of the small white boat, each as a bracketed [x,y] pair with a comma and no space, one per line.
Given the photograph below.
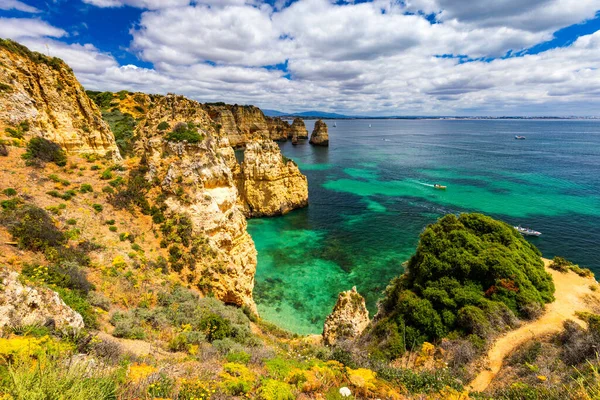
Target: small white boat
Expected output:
[369,125]
[520,137]
[439,187]
[527,231]
[334,125]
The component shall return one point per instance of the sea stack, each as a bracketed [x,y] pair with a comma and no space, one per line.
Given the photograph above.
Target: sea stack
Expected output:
[319,136]
[298,129]
[348,319]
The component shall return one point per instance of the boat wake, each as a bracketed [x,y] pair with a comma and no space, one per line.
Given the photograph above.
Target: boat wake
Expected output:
[425,184]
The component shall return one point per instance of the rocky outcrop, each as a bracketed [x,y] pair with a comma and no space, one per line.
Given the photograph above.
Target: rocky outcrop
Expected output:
[348,319]
[240,124]
[43,93]
[298,131]
[197,180]
[269,184]
[319,136]
[279,130]
[22,305]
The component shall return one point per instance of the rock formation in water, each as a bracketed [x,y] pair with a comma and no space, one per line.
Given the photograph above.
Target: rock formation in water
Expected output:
[197,180]
[269,184]
[348,319]
[319,136]
[40,96]
[22,305]
[298,129]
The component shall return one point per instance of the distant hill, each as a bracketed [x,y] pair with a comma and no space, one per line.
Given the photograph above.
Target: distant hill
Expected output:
[306,114]
[273,113]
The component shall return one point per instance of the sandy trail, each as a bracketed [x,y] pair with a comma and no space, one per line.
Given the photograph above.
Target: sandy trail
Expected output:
[570,292]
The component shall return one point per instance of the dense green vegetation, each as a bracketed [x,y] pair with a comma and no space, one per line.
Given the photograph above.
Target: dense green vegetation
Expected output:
[471,275]
[41,150]
[185,132]
[122,125]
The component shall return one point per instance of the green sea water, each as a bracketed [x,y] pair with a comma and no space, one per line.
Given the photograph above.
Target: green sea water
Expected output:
[371,194]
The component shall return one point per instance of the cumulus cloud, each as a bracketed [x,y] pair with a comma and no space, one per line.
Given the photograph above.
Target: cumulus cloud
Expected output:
[148,4]
[529,15]
[17,5]
[242,35]
[18,28]
[364,58]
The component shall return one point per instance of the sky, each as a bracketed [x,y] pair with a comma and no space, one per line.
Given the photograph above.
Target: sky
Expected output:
[379,57]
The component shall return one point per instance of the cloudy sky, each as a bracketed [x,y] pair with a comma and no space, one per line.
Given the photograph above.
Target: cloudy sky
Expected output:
[380,57]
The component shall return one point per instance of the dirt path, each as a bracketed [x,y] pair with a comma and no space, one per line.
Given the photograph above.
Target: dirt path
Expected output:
[570,292]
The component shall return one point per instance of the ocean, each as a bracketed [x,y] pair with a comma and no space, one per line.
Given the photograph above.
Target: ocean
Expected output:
[371,194]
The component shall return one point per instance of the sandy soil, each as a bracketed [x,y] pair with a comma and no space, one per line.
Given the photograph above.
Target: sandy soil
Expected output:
[571,295]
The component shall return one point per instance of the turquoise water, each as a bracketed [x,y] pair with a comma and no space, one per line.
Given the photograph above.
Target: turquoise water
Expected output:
[371,195]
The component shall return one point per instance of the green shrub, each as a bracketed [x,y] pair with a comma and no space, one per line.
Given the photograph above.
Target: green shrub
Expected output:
[72,221]
[40,149]
[112,228]
[110,222]
[163,126]
[9,192]
[106,175]
[86,188]
[95,168]
[108,190]
[97,207]
[134,194]
[33,228]
[468,274]
[185,132]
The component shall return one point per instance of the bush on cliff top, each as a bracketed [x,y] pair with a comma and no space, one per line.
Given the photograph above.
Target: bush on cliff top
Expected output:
[469,275]
[185,132]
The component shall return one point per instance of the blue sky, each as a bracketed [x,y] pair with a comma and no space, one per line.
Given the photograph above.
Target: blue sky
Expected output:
[380,57]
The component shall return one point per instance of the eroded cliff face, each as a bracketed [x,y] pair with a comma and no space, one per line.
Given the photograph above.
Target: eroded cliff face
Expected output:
[279,130]
[320,136]
[348,319]
[196,180]
[44,93]
[269,184]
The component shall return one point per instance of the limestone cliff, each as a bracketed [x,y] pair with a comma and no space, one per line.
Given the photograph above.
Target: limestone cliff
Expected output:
[197,180]
[279,130]
[319,136]
[43,94]
[269,184]
[22,305]
[348,319]
[240,124]
[298,130]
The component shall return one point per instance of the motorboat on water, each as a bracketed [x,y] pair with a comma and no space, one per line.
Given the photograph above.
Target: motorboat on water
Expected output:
[439,187]
[527,231]
[369,125]
[334,125]
[520,137]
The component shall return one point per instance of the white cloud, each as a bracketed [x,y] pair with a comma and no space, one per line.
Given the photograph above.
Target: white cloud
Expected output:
[148,4]
[528,15]
[367,58]
[17,5]
[241,35]
[18,28]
